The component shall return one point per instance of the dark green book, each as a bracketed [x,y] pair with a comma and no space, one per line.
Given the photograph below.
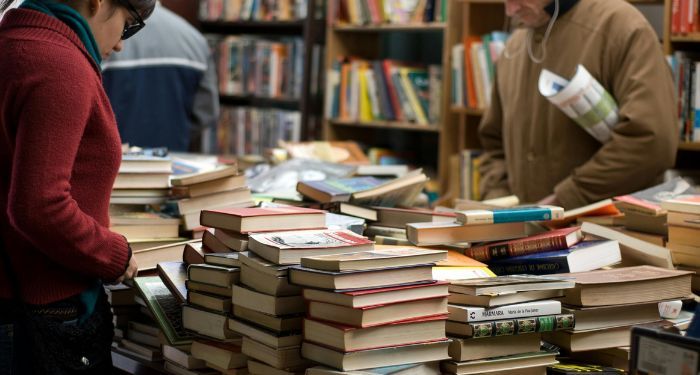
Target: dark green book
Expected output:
[509,327]
[166,309]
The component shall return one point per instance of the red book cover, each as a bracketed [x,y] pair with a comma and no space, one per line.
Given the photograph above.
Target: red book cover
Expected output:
[393,96]
[539,243]
[675,16]
[684,8]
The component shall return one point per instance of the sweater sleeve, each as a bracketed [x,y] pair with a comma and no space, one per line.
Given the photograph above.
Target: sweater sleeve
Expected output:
[52,116]
[494,176]
[644,141]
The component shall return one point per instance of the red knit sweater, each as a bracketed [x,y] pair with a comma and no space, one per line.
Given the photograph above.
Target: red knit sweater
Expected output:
[59,155]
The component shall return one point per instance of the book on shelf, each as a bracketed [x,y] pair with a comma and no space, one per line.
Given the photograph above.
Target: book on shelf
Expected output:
[375,259]
[365,279]
[149,225]
[510,327]
[207,323]
[248,130]
[213,275]
[633,250]
[203,188]
[370,316]
[380,12]
[379,296]
[462,350]
[584,256]
[349,339]
[558,239]
[683,235]
[382,90]
[648,201]
[244,220]
[424,234]
[252,10]
[509,284]
[165,308]
[599,317]
[509,215]
[493,300]
[469,314]
[289,247]
[522,363]
[627,285]
[390,356]
[174,275]
[222,355]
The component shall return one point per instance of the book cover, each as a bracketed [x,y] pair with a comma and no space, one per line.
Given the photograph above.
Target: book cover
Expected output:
[310,239]
[648,201]
[685,203]
[558,239]
[340,189]
[519,326]
[521,310]
[165,308]
[174,275]
[510,215]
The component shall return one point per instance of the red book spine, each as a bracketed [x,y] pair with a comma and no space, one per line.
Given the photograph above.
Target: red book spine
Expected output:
[675,17]
[684,7]
[517,248]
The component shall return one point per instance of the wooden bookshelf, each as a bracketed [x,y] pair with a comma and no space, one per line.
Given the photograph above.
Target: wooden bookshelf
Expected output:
[688,38]
[689,146]
[467,111]
[433,26]
[389,125]
[260,101]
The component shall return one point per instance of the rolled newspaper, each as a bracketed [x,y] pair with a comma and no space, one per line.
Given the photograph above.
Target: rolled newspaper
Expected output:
[583,99]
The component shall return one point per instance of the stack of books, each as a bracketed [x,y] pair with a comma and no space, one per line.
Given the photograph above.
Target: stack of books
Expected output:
[683,233]
[216,187]
[390,225]
[606,303]
[373,309]
[267,309]
[496,323]
[552,252]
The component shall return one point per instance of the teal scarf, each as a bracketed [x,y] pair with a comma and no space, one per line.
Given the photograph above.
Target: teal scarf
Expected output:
[70,17]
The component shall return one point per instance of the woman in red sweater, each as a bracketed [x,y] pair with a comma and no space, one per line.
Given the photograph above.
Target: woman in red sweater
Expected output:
[59,155]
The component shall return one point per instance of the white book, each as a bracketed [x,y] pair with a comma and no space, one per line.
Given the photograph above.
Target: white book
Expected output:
[520,310]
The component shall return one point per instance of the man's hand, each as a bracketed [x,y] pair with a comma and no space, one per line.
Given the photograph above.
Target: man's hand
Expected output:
[550,200]
[130,273]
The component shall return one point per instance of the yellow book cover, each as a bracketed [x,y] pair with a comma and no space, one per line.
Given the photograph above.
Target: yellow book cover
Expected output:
[421,118]
[365,101]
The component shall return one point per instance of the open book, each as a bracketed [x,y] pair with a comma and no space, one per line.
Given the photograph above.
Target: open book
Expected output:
[583,99]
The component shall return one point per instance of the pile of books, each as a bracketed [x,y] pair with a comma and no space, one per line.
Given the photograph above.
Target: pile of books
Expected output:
[373,309]
[684,232]
[607,303]
[496,323]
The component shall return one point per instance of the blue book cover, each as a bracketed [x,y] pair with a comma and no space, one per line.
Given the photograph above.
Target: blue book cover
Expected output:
[602,252]
[510,215]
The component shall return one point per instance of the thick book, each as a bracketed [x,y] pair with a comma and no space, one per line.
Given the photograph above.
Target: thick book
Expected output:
[347,339]
[213,243]
[492,300]
[424,234]
[278,324]
[265,336]
[686,203]
[207,323]
[522,362]
[213,275]
[194,252]
[399,217]
[627,285]
[648,201]
[267,304]
[165,308]
[510,215]
[462,350]
[633,250]
[521,310]
[276,357]
[360,279]
[231,259]
[510,327]
[509,284]
[600,317]
[233,240]
[582,257]
[219,304]
[351,210]
[222,355]
[368,260]
[379,296]
[215,200]
[209,187]
[580,341]
[559,239]
[370,316]
[391,356]
[267,283]
[430,368]
[290,246]
[245,220]
[198,177]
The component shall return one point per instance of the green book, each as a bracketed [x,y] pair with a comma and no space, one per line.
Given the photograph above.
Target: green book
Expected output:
[165,308]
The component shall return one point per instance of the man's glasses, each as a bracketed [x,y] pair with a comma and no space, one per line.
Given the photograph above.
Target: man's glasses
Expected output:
[130,30]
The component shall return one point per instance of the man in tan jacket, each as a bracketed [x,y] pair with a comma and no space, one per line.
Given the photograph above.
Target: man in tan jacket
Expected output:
[533,149]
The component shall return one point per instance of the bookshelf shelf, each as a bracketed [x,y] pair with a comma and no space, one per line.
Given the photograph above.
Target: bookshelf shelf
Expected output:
[687,38]
[689,146]
[387,125]
[427,27]
[467,111]
[258,101]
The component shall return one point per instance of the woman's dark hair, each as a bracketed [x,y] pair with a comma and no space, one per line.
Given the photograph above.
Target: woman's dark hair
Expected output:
[143,7]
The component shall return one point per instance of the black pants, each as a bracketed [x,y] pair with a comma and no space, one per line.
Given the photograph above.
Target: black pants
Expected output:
[17,346]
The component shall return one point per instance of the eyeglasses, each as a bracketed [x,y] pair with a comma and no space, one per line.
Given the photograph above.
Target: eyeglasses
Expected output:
[130,30]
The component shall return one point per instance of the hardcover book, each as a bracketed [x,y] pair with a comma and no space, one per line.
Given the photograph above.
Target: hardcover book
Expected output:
[374,259]
[521,310]
[558,239]
[648,201]
[509,284]
[244,220]
[509,327]
[165,308]
[510,215]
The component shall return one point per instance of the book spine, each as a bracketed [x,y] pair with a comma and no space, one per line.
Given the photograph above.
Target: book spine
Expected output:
[544,266]
[509,327]
[517,248]
[477,217]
